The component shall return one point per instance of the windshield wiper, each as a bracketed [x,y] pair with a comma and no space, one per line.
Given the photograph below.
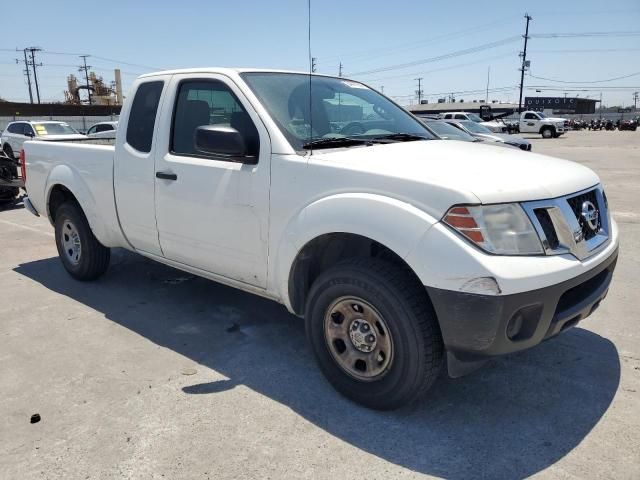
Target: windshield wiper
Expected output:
[400,137]
[336,142]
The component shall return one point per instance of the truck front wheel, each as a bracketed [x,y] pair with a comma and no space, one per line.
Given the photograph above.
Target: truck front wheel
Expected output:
[374,333]
[82,255]
[548,132]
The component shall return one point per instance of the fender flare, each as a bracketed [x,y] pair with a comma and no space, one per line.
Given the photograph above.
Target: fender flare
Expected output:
[393,223]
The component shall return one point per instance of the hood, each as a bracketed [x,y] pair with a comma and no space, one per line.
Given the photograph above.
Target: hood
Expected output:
[440,173]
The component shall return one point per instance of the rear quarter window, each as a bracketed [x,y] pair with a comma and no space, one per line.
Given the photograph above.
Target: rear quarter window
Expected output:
[142,117]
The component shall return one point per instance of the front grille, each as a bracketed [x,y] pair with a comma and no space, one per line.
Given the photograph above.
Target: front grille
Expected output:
[547,227]
[576,205]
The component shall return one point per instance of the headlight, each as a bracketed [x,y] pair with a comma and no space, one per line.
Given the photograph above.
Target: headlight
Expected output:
[502,229]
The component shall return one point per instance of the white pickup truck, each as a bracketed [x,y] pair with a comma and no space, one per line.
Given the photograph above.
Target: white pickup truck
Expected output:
[538,122]
[402,252]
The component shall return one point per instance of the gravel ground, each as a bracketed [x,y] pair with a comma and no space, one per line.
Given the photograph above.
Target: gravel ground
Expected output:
[153,373]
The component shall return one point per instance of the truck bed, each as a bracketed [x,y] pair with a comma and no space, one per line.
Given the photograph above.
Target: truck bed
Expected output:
[85,164]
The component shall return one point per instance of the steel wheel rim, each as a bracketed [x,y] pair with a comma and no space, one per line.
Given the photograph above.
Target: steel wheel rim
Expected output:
[70,240]
[358,338]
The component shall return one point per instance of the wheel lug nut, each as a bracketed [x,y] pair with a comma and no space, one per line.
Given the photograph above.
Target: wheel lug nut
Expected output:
[356,324]
[371,339]
[365,327]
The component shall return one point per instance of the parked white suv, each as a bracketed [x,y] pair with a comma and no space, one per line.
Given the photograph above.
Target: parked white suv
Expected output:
[16,133]
[103,130]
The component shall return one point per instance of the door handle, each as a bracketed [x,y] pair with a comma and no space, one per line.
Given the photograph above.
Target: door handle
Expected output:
[166,176]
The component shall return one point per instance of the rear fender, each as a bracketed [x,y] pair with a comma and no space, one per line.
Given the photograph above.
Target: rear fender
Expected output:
[71,179]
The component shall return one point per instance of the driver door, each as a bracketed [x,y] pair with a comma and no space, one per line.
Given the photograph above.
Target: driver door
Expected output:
[212,211]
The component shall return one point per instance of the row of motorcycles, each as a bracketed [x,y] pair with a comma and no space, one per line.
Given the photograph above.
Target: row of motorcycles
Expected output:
[604,124]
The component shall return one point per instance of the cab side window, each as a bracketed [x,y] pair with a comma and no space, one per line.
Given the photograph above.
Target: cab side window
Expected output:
[530,116]
[142,117]
[28,130]
[460,117]
[209,102]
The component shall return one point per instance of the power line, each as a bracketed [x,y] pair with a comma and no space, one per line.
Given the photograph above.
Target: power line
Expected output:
[630,33]
[586,81]
[457,53]
[364,55]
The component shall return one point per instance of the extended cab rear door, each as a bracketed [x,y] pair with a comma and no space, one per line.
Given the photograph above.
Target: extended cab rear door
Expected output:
[212,210]
[134,169]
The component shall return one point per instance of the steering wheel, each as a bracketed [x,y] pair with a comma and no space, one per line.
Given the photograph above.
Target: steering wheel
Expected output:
[353,128]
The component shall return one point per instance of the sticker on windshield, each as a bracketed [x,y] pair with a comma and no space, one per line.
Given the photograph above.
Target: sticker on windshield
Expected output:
[40,129]
[354,84]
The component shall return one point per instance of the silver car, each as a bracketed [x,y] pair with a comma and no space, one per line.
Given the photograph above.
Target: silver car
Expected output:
[483,133]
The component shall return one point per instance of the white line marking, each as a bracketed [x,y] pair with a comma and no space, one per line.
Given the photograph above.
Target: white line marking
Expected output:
[33,229]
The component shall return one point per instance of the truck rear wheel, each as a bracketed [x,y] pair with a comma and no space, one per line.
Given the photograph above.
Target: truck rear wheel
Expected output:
[82,255]
[547,132]
[374,333]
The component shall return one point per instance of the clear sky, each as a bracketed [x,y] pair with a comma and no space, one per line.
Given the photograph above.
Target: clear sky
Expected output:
[372,36]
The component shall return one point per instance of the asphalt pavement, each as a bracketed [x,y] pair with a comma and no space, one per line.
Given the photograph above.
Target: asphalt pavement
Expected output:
[150,372]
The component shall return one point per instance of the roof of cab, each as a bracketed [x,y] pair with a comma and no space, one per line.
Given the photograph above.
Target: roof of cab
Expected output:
[224,71]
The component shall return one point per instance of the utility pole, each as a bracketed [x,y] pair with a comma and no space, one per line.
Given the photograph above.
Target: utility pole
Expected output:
[419,91]
[26,70]
[635,100]
[524,60]
[86,68]
[313,64]
[340,70]
[486,98]
[33,63]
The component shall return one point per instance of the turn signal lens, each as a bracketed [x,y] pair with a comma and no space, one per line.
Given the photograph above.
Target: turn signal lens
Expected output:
[461,219]
[502,229]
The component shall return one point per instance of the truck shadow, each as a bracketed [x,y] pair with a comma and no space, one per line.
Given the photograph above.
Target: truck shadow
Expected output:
[516,417]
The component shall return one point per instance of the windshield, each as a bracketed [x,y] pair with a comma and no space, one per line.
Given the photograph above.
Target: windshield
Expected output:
[474,127]
[43,129]
[474,118]
[449,132]
[339,109]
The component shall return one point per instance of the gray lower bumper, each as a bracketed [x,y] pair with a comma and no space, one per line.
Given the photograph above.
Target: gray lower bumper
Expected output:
[476,327]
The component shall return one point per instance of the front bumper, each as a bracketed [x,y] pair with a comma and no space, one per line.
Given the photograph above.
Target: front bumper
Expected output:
[476,327]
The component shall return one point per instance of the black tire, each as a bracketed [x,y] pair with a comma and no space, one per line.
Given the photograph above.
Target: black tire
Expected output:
[92,258]
[548,132]
[417,353]
[8,151]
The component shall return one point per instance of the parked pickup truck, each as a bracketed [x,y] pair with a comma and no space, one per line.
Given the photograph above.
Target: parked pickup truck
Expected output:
[399,250]
[538,122]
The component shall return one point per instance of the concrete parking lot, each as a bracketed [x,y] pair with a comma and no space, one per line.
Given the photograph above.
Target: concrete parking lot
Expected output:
[153,373]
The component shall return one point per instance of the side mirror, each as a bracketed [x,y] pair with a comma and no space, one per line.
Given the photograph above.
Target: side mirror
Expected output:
[29,134]
[219,140]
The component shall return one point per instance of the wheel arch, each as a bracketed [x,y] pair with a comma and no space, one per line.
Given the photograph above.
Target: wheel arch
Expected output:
[65,184]
[343,226]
